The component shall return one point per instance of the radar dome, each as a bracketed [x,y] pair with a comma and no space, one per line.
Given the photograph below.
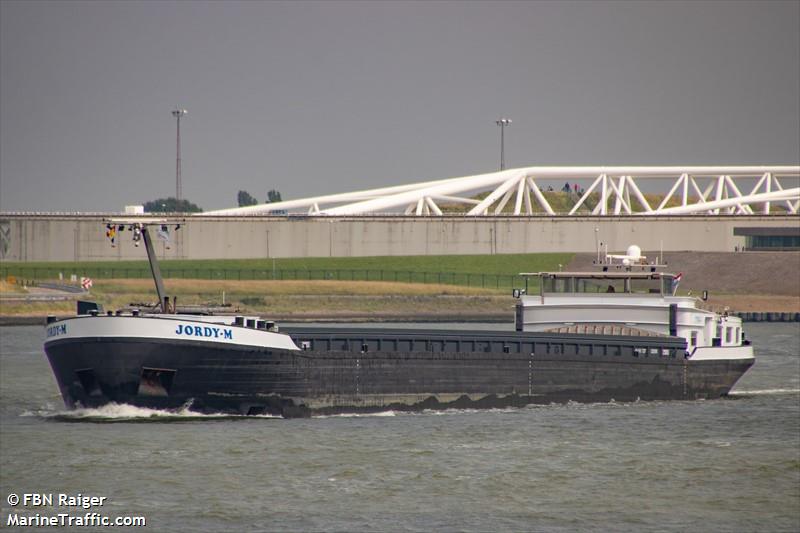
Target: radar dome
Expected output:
[634,252]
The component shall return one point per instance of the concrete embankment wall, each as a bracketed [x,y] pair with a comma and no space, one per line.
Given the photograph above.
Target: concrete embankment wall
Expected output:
[40,237]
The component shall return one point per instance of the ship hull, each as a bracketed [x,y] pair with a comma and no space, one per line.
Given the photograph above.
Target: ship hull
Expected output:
[363,370]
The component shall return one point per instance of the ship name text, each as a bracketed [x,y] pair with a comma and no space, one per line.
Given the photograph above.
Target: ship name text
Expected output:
[55,331]
[204,331]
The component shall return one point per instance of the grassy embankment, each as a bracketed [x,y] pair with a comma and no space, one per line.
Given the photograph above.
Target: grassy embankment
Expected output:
[339,287]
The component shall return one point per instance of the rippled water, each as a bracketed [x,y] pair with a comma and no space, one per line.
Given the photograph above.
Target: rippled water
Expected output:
[723,465]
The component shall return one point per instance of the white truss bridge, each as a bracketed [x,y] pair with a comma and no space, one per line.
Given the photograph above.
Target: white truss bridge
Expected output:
[613,190]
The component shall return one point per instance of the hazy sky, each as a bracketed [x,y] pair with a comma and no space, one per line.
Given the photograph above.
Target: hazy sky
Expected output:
[322,97]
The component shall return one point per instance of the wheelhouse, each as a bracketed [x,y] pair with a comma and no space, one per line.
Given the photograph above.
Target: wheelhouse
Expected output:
[640,283]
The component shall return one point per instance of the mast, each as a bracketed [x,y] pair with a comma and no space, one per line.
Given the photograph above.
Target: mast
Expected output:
[140,228]
[163,299]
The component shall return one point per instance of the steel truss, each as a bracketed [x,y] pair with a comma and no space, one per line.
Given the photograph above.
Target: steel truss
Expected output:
[710,190]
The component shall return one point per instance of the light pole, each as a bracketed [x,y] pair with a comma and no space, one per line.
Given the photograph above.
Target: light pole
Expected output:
[597,243]
[503,122]
[178,113]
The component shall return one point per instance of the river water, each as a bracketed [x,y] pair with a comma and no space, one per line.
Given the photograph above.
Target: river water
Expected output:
[721,465]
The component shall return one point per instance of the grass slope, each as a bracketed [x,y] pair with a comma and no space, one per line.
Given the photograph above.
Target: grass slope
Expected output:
[475,270]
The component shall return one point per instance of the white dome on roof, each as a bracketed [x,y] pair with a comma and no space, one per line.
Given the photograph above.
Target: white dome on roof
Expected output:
[634,252]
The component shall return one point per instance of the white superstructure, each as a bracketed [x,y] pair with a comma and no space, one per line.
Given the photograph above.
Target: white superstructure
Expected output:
[632,298]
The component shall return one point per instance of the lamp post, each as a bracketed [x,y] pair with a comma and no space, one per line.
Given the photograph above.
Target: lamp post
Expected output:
[597,243]
[178,113]
[503,122]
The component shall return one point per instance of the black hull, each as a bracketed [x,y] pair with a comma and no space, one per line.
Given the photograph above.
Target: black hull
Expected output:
[347,371]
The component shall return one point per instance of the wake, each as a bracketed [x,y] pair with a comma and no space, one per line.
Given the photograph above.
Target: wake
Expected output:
[763,392]
[115,412]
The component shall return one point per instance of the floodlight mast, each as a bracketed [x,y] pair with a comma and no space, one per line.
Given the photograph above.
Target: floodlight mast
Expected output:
[503,122]
[178,113]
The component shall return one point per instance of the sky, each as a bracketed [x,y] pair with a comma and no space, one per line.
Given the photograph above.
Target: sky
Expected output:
[313,98]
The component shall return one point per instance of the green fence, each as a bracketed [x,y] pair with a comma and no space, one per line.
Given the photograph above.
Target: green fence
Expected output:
[496,281]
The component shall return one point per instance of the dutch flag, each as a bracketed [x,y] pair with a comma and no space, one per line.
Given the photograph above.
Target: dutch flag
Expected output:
[676,281]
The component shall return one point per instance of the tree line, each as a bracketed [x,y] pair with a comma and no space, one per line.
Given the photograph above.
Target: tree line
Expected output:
[173,205]
[244,198]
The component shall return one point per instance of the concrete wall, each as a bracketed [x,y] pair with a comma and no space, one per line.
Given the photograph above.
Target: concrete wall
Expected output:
[82,237]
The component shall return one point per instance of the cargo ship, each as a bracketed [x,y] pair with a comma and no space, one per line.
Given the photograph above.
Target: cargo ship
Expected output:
[617,334]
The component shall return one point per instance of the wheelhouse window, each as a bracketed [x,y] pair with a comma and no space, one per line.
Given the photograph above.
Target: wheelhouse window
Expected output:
[667,288]
[599,284]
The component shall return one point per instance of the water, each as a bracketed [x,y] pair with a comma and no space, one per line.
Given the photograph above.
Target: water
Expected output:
[722,465]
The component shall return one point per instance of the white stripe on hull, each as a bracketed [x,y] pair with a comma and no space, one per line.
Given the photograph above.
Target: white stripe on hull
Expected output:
[717,353]
[176,328]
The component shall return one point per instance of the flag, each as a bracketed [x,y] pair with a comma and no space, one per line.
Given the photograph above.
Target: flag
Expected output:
[676,281]
[111,233]
[163,234]
[86,283]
